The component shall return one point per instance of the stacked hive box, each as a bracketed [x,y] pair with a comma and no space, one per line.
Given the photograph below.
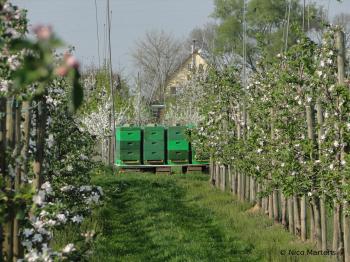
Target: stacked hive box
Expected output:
[154,145]
[128,145]
[178,146]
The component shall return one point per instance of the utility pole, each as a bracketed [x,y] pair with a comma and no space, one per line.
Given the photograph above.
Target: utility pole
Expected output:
[139,102]
[111,84]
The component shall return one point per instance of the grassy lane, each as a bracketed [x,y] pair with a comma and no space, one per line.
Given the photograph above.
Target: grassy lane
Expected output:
[182,218]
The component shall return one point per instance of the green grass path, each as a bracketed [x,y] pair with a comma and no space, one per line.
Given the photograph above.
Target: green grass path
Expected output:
[182,218]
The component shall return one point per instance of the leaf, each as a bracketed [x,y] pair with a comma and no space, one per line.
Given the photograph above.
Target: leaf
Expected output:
[20,215]
[77,91]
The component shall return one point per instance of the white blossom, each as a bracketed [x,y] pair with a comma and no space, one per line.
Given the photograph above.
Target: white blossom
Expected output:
[68,248]
[47,187]
[62,218]
[27,232]
[77,219]
[67,188]
[37,238]
[39,199]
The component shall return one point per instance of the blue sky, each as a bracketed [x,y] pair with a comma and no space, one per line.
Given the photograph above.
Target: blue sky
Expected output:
[74,21]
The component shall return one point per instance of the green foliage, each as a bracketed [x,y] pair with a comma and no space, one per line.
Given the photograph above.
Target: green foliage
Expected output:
[266,26]
[262,130]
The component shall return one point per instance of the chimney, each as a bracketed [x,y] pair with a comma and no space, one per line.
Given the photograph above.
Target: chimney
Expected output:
[193,54]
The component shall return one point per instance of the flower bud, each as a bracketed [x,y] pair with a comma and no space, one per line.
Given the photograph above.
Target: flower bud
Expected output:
[43,32]
[61,71]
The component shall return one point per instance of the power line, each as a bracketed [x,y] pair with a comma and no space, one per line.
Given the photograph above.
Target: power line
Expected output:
[244,44]
[287,26]
[98,35]
[111,81]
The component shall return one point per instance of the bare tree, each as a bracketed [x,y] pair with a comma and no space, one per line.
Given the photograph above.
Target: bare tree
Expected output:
[205,37]
[157,55]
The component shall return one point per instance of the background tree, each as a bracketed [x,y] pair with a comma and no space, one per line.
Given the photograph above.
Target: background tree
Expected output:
[266,26]
[157,55]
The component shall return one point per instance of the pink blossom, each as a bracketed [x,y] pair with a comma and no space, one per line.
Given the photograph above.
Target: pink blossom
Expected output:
[71,61]
[43,32]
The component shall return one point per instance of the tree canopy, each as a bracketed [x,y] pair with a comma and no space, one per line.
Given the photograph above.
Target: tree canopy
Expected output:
[267,23]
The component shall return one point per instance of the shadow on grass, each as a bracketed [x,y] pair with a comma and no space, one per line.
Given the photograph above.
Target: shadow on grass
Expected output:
[147,218]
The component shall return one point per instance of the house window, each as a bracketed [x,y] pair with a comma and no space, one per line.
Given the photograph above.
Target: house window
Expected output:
[201,68]
[173,90]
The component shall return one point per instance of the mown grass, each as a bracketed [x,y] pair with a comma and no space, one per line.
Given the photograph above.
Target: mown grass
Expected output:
[182,218]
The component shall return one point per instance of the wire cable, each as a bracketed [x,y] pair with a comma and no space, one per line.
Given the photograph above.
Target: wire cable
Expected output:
[98,35]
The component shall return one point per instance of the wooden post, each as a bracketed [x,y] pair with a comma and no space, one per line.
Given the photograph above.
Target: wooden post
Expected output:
[314,200]
[290,215]
[296,210]
[252,190]
[323,197]
[16,222]
[312,223]
[340,45]
[318,236]
[270,206]
[303,218]
[8,228]
[2,161]
[284,210]
[259,202]
[40,133]
[275,206]
[337,230]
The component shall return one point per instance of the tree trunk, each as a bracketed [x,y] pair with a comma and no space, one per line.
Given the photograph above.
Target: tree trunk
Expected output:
[230,177]
[317,215]
[312,223]
[223,178]
[303,218]
[2,161]
[284,210]
[8,228]
[270,206]
[39,154]
[323,222]
[247,188]
[346,230]
[341,58]
[259,199]
[275,206]
[16,222]
[296,216]
[322,199]
[252,190]
[337,229]
[243,180]
[290,215]
[239,185]
[234,182]
[217,175]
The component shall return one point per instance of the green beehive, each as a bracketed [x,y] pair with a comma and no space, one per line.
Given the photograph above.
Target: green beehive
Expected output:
[178,147]
[128,145]
[154,145]
[176,133]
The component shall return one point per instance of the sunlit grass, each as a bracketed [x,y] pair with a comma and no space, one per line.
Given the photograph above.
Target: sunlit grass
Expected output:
[183,218]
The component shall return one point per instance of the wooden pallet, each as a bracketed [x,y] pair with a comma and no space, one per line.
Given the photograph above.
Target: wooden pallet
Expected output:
[164,170]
